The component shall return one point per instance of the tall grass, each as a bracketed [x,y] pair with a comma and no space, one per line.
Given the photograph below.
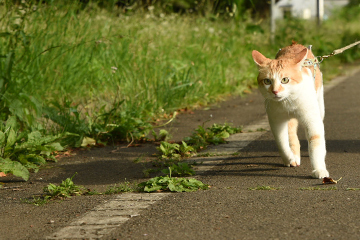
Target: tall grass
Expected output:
[88,60]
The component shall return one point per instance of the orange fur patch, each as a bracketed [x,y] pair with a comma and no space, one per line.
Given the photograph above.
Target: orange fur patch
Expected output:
[293,138]
[314,139]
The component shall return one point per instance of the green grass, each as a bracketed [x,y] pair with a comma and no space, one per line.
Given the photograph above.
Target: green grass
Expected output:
[90,72]
[154,64]
[264,188]
[318,188]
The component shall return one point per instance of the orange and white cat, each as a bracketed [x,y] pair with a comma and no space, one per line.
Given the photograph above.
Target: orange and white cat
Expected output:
[294,93]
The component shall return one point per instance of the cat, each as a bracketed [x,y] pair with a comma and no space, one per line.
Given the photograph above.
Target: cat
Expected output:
[293,90]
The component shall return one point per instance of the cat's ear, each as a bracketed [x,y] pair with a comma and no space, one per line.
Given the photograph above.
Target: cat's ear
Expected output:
[259,59]
[301,56]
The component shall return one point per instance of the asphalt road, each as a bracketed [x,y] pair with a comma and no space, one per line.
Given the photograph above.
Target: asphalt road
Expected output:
[229,210]
[298,207]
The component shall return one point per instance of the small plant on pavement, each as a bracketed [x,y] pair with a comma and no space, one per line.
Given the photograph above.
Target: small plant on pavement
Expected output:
[169,150]
[175,151]
[264,188]
[179,169]
[319,188]
[172,153]
[162,136]
[119,188]
[216,134]
[66,189]
[172,184]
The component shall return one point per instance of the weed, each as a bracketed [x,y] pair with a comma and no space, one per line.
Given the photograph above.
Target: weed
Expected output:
[66,189]
[175,151]
[318,188]
[169,150]
[162,136]
[179,169]
[172,184]
[93,192]
[120,188]
[261,130]
[215,134]
[138,159]
[37,201]
[172,153]
[352,189]
[264,188]
[21,151]
[147,172]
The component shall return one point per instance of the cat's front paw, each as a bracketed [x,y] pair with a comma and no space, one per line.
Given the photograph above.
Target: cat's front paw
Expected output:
[320,173]
[294,161]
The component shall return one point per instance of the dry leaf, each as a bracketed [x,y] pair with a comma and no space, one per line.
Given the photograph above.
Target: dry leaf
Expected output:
[2,174]
[88,141]
[328,180]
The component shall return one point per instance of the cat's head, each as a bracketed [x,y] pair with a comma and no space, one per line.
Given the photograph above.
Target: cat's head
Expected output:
[280,78]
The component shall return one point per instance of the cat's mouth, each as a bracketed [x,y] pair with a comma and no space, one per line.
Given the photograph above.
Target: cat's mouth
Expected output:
[277,98]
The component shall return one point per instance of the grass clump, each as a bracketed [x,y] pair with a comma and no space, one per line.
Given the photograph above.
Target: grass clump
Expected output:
[119,188]
[216,134]
[172,184]
[21,151]
[67,188]
[64,190]
[318,188]
[264,188]
[171,155]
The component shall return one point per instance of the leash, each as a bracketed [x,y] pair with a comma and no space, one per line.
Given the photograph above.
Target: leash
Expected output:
[338,51]
[316,62]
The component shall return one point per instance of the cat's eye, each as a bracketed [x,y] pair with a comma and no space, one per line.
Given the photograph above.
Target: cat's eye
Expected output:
[267,81]
[285,80]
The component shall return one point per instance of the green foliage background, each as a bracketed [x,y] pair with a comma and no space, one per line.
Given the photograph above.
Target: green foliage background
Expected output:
[107,69]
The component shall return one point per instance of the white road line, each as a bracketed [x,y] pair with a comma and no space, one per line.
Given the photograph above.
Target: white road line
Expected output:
[104,218]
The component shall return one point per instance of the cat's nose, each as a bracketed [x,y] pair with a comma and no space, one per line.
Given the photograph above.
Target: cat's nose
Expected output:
[275,92]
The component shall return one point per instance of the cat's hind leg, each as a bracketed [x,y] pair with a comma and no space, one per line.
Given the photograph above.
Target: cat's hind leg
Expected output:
[294,141]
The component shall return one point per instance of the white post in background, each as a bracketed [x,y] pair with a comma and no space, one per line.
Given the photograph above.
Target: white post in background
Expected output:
[272,22]
[319,11]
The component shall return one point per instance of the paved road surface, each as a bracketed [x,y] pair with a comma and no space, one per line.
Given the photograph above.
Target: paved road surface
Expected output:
[231,211]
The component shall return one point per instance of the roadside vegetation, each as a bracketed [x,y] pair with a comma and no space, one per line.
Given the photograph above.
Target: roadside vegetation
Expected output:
[168,166]
[75,74]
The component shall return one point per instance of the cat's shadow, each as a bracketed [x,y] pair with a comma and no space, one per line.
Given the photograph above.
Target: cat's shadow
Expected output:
[255,166]
[261,159]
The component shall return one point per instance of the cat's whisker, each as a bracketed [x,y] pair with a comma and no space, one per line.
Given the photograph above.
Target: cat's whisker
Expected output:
[267,103]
